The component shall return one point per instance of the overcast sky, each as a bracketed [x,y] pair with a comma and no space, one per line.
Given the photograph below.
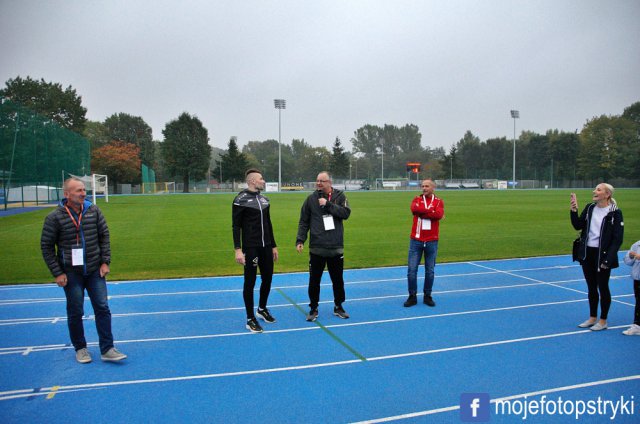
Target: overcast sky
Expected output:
[445,66]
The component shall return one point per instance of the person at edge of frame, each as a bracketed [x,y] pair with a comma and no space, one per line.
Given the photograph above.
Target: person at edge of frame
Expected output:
[427,210]
[76,247]
[322,215]
[255,246]
[602,228]
[632,258]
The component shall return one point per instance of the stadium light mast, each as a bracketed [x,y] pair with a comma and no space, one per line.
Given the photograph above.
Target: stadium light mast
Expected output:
[382,171]
[280,104]
[515,115]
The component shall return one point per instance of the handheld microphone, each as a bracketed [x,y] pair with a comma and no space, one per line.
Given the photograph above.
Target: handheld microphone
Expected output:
[321,195]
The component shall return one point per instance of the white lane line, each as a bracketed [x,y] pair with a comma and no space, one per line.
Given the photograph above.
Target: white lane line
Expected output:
[60,389]
[21,349]
[502,399]
[54,320]
[511,273]
[301,286]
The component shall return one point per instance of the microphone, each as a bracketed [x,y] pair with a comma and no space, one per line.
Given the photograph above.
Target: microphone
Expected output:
[321,195]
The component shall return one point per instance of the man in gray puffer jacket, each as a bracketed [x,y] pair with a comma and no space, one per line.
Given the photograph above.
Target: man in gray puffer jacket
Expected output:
[75,246]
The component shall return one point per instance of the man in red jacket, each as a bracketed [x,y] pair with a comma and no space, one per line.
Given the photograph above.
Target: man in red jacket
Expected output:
[427,211]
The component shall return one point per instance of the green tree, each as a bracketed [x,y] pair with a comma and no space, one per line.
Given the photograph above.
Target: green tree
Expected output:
[186,150]
[134,130]
[234,163]
[498,158]
[598,149]
[309,160]
[64,106]
[96,133]
[264,156]
[565,148]
[366,142]
[339,165]
[632,113]
[267,157]
[468,152]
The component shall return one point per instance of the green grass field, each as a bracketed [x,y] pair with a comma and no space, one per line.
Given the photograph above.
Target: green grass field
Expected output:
[172,236]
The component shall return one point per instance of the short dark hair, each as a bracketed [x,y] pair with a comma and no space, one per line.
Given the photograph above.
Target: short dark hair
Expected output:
[251,171]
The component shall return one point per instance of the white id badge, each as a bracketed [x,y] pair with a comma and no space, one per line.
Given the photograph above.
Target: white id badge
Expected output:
[77,256]
[328,222]
[426,224]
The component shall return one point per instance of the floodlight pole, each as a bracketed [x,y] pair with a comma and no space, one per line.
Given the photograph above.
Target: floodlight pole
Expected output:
[382,171]
[515,115]
[280,104]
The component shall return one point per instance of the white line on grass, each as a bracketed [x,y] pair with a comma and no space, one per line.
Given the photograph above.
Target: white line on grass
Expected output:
[502,399]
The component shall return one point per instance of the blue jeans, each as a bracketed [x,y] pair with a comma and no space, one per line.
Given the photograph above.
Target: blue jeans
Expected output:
[96,287]
[416,249]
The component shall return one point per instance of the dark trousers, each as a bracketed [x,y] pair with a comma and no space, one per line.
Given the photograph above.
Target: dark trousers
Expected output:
[257,257]
[96,288]
[636,292]
[597,281]
[335,265]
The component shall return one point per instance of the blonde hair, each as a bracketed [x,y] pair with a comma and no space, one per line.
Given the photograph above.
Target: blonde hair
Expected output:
[610,190]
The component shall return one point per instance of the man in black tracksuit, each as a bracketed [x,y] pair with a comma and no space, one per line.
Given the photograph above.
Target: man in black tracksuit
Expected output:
[321,215]
[254,245]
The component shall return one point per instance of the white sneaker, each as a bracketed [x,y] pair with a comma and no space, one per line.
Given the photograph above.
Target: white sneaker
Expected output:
[598,327]
[587,324]
[82,356]
[634,330]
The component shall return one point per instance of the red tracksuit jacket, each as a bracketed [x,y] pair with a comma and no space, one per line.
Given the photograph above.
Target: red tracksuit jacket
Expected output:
[427,213]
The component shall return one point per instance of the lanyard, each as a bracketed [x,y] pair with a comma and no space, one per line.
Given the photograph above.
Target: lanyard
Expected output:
[76,223]
[425,200]
[330,195]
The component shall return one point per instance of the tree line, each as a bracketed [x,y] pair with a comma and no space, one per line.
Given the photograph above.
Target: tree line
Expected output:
[607,147]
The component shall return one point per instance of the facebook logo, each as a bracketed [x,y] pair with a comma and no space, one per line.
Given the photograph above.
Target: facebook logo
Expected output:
[474,407]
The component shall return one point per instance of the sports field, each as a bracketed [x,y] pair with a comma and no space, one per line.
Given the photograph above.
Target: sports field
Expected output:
[173,236]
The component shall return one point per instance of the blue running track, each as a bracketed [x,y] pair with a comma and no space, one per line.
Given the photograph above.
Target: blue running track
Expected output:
[505,328]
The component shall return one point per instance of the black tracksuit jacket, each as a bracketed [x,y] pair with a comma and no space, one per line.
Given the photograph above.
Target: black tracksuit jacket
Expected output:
[251,221]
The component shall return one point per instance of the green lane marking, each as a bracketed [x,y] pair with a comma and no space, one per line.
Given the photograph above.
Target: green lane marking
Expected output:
[325,329]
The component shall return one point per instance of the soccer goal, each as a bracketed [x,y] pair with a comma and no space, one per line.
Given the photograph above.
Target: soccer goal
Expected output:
[100,184]
[94,183]
[170,187]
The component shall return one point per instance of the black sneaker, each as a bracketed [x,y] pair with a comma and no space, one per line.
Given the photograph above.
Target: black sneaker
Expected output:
[265,315]
[428,300]
[313,314]
[339,312]
[411,300]
[253,326]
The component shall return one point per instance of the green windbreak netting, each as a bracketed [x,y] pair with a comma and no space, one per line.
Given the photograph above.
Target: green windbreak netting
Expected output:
[148,179]
[34,152]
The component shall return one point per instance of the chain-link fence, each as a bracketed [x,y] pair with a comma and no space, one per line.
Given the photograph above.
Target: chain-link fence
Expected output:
[34,153]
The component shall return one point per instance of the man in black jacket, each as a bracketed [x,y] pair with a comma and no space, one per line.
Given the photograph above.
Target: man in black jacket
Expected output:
[75,246]
[321,216]
[254,245]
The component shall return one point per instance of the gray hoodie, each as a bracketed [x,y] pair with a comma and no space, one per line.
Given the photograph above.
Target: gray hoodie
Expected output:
[634,263]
